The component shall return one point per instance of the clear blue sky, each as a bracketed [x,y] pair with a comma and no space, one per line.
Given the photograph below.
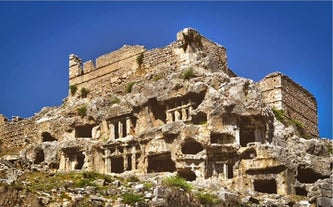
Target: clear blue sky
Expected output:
[261,37]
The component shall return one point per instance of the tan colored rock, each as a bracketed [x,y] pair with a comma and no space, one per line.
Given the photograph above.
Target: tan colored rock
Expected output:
[180,110]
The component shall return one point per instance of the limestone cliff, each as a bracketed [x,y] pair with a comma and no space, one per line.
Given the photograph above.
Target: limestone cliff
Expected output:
[177,110]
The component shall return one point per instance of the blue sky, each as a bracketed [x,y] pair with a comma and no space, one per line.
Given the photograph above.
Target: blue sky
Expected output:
[261,37]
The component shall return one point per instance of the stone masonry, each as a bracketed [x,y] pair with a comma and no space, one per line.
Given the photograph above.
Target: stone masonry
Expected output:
[283,93]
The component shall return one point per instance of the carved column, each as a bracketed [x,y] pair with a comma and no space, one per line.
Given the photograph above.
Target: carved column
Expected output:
[184,115]
[63,161]
[133,151]
[177,115]
[73,162]
[225,171]
[67,164]
[168,117]
[125,162]
[190,108]
[128,126]
[107,161]
[237,135]
[112,132]
[120,129]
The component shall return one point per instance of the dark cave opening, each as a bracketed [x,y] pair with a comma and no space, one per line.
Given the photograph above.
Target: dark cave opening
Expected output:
[187,174]
[161,163]
[117,164]
[265,186]
[47,137]
[191,147]
[83,131]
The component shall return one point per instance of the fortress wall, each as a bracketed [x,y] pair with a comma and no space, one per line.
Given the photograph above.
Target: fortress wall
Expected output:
[280,91]
[310,127]
[270,83]
[15,135]
[121,66]
[218,55]
[300,105]
[111,70]
[156,59]
[273,97]
[298,92]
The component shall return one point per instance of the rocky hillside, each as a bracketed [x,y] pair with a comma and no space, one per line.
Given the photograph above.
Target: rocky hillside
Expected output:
[163,128]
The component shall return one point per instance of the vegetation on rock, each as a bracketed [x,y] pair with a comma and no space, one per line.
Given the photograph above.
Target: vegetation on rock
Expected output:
[84,92]
[82,111]
[132,198]
[129,87]
[176,181]
[139,59]
[73,89]
[188,74]
[207,199]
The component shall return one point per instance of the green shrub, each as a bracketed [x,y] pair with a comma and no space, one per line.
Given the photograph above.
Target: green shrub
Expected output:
[207,198]
[129,87]
[132,178]
[148,185]
[94,176]
[176,181]
[84,92]
[73,89]
[188,74]
[132,198]
[115,100]
[139,59]
[90,175]
[82,111]
[297,123]
[279,114]
[84,183]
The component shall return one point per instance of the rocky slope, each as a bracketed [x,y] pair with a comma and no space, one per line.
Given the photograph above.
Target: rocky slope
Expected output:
[183,134]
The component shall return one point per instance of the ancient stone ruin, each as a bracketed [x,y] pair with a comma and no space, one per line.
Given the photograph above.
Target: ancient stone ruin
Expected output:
[178,109]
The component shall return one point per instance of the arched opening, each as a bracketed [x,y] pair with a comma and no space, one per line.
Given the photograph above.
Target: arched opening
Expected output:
[265,186]
[47,137]
[161,163]
[191,147]
[187,174]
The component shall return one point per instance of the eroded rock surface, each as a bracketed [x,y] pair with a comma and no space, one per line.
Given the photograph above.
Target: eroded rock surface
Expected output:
[179,110]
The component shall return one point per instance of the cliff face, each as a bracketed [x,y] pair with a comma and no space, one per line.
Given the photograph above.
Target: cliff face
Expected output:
[176,110]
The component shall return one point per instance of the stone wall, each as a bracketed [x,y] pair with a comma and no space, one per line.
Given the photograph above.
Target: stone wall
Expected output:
[16,134]
[280,91]
[112,71]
